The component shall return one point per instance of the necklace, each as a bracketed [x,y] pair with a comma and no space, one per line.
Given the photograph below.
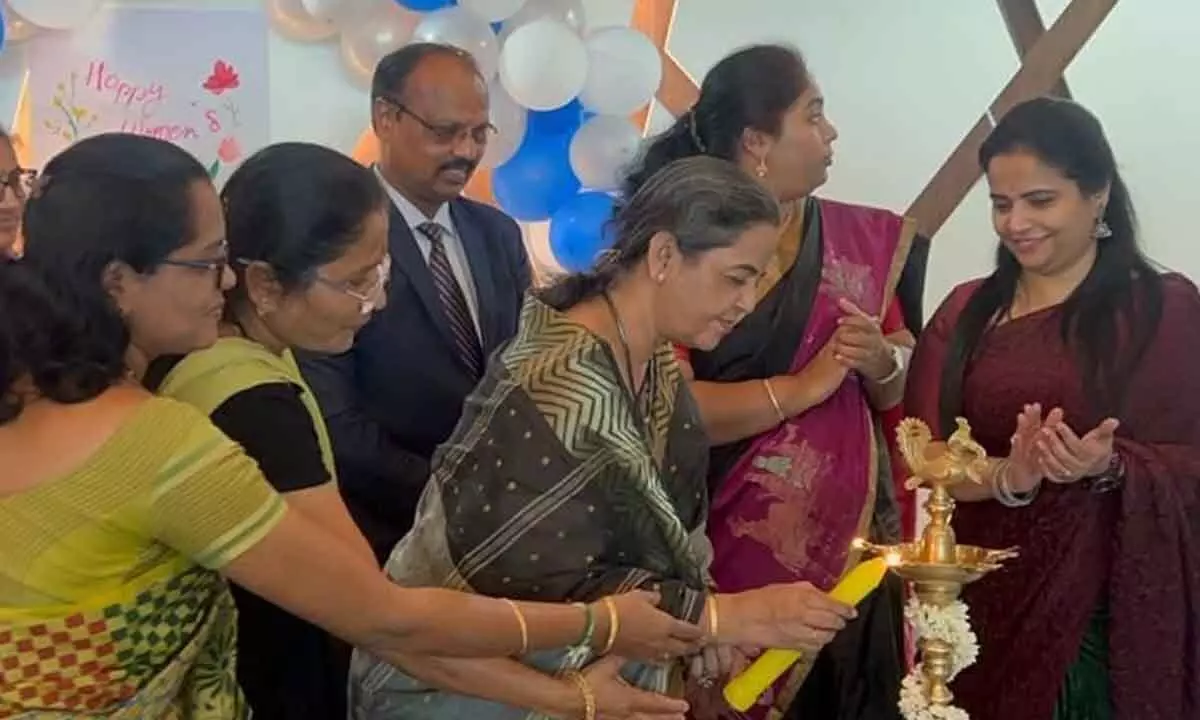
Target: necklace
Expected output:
[638,393]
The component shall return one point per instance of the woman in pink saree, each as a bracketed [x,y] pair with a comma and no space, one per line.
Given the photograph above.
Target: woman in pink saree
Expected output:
[794,398]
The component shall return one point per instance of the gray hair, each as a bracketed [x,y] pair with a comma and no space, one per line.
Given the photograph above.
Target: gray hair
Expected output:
[704,202]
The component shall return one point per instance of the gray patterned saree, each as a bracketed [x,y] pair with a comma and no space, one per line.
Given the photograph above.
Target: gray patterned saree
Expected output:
[557,485]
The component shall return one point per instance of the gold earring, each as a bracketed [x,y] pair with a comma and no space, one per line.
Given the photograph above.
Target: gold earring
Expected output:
[761,170]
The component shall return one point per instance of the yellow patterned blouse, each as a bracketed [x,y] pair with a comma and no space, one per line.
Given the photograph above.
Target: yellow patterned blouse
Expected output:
[109,603]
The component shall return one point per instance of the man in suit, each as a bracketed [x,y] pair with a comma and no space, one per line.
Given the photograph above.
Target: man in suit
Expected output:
[459,273]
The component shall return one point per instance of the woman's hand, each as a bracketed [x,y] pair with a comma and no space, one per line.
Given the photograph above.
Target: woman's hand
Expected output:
[1065,457]
[716,662]
[812,385]
[644,632]
[797,616]
[858,343]
[1024,469]
[618,700]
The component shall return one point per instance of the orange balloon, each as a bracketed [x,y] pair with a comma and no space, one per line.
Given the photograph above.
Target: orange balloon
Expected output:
[480,187]
[366,150]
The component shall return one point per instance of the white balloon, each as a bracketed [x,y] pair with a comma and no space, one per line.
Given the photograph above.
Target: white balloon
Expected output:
[386,28]
[464,30]
[492,10]
[543,65]
[16,28]
[568,12]
[541,255]
[624,71]
[601,150]
[510,120]
[291,20]
[56,14]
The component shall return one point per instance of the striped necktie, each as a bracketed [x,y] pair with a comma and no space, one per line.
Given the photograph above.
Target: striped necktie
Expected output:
[452,299]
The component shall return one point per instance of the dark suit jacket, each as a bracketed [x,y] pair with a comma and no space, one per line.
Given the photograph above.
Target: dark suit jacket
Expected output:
[398,393]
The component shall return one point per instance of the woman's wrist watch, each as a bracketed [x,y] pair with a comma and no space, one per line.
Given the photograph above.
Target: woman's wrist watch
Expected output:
[1112,477]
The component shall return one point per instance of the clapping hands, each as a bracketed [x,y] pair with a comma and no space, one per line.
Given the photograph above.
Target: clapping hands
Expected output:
[1049,448]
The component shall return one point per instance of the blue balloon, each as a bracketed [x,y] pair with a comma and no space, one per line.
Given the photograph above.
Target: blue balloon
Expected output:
[538,180]
[565,119]
[424,5]
[497,27]
[580,230]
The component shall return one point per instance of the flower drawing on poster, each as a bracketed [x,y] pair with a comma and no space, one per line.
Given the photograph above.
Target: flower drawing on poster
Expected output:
[224,78]
[73,119]
[209,99]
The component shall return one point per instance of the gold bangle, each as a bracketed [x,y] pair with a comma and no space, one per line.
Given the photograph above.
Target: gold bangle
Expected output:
[714,619]
[614,625]
[774,399]
[523,625]
[585,689]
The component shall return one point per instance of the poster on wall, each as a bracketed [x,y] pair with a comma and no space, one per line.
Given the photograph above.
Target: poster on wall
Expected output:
[197,78]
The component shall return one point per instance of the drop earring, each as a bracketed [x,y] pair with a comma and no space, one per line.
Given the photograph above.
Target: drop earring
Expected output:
[761,170]
[1102,230]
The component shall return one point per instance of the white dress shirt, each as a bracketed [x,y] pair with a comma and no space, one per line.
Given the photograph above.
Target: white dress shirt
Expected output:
[455,252]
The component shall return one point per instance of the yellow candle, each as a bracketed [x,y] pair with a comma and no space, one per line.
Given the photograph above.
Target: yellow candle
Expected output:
[745,689]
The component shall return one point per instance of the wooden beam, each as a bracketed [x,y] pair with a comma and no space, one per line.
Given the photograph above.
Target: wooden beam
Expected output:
[678,90]
[1025,26]
[1041,67]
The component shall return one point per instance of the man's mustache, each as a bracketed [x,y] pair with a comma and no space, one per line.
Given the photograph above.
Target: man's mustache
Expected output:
[466,166]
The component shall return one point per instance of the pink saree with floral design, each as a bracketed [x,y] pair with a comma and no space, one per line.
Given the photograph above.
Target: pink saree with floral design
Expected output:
[787,504]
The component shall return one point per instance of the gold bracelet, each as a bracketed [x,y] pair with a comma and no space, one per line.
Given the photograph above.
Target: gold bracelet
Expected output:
[774,399]
[714,620]
[585,689]
[614,625]
[589,625]
[523,625]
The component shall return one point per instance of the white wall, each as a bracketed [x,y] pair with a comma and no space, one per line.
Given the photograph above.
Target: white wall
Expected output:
[904,80]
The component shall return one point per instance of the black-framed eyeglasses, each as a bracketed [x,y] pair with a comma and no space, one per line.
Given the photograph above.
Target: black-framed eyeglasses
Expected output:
[215,265]
[18,181]
[445,133]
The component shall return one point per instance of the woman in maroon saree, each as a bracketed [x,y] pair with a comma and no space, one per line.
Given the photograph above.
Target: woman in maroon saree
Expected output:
[793,397]
[1098,617]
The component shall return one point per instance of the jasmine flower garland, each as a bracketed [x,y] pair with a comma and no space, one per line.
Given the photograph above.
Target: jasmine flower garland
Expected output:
[951,625]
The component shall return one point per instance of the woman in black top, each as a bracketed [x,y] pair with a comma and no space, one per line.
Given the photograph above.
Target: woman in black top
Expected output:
[307,238]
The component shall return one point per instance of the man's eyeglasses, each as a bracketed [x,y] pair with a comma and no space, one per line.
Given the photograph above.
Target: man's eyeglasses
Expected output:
[214,265]
[446,133]
[19,182]
[369,293]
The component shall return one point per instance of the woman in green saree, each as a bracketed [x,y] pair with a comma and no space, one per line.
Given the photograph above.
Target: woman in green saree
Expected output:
[579,466]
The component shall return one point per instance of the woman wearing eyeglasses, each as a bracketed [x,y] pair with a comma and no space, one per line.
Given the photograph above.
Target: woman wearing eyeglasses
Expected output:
[307,239]
[15,182]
